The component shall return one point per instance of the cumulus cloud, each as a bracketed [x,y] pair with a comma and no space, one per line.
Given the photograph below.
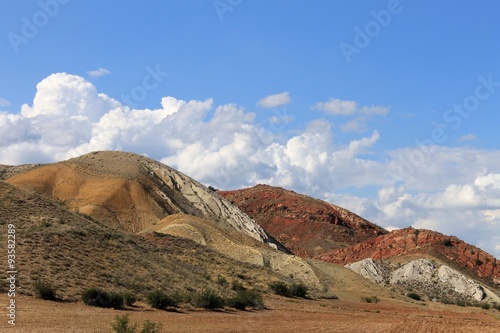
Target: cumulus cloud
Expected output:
[451,190]
[275,100]
[98,72]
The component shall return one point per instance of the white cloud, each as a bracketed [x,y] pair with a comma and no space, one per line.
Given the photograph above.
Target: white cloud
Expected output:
[337,107]
[467,137]
[275,100]
[4,102]
[98,72]
[452,190]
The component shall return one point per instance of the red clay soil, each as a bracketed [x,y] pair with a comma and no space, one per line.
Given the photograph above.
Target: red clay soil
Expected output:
[409,241]
[306,226]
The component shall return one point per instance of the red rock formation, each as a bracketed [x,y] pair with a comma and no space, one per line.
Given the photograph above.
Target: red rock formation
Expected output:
[306,226]
[450,249]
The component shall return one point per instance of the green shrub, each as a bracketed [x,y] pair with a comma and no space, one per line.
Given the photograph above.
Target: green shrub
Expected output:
[44,290]
[279,288]
[102,299]
[151,327]
[485,306]
[208,299]
[246,298]
[158,299]
[129,298]
[298,290]
[121,325]
[371,299]
[414,296]
[447,242]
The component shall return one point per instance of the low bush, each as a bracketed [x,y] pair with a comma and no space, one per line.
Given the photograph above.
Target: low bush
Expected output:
[279,288]
[102,299]
[293,290]
[158,299]
[121,325]
[208,299]
[485,306]
[129,298]
[371,299]
[44,290]
[246,298]
[298,290]
[414,296]
[447,242]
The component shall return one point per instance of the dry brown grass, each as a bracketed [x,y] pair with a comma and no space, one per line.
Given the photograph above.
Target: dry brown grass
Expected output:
[74,252]
[282,315]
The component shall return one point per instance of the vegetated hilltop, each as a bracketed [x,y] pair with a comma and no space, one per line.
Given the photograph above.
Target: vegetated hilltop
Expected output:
[306,226]
[132,192]
[452,251]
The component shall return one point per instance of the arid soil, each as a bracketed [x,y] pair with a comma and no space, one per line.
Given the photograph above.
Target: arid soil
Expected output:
[282,315]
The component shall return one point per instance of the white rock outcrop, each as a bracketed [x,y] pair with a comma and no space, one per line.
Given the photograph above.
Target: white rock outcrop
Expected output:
[369,269]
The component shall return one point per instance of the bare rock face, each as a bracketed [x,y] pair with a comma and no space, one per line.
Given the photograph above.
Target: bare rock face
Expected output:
[449,249]
[425,277]
[370,270]
[460,283]
[307,226]
[207,202]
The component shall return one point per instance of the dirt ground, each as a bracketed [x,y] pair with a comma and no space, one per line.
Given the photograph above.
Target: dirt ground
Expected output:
[282,315]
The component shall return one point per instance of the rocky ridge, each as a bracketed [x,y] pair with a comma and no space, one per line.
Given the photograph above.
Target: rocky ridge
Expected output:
[449,249]
[306,226]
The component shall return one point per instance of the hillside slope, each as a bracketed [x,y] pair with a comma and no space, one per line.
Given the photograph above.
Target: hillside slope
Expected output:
[132,192]
[306,226]
[74,252]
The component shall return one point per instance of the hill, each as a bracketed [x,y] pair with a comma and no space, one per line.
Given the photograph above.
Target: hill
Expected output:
[423,243]
[121,221]
[75,251]
[306,226]
[131,192]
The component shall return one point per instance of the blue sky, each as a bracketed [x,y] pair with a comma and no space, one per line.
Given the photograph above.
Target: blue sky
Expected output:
[353,89]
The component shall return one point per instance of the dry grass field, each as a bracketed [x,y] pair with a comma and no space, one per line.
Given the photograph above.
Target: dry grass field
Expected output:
[282,315]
